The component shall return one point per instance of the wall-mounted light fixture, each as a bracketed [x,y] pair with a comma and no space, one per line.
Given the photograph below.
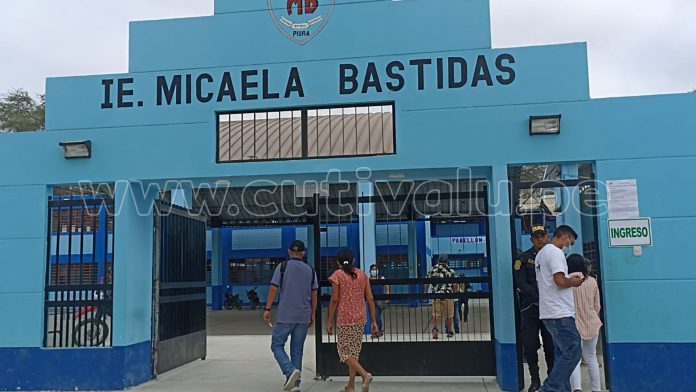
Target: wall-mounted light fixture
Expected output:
[75,150]
[545,125]
[397,176]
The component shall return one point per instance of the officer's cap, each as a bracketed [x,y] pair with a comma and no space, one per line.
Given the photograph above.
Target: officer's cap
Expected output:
[538,230]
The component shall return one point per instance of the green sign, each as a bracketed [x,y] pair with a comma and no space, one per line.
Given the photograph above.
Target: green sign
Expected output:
[630,232]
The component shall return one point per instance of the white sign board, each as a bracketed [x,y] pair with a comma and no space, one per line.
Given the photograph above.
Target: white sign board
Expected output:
[630,232]
[468,240]
[622,199]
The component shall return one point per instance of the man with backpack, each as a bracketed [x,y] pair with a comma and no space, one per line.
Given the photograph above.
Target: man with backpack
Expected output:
[297,283]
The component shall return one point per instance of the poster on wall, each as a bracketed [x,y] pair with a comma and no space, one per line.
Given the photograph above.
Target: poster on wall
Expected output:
[622,200]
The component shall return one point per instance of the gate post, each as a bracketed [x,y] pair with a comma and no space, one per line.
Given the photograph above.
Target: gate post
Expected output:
[132,297]
[217,289]
[501,270]
[367,222]
[315,232]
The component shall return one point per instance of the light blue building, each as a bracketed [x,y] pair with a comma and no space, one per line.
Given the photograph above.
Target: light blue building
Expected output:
[428,98]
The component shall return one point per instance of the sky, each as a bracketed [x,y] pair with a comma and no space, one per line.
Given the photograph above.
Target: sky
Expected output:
[636,47]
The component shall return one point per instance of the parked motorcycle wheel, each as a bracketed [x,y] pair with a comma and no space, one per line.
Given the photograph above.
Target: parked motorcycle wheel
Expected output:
[90,333]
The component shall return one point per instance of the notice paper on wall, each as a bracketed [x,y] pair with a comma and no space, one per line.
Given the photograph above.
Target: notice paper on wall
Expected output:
[622,199]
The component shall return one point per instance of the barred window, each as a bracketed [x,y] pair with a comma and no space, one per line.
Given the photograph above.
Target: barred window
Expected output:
[306,133]
[253,270]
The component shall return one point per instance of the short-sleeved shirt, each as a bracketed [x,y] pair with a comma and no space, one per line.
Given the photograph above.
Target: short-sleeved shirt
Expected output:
[351,300]
[295,303]
[554,302]
[441,271]
[378,289]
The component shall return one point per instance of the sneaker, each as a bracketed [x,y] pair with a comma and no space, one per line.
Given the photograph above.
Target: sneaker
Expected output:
[436,333]
[450,334]
[292,380]
[296,389]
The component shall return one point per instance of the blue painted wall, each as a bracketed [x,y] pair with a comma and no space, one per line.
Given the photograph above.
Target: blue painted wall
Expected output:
[133,266]
[647,138]
[35,369]
[23,228]
[363,29]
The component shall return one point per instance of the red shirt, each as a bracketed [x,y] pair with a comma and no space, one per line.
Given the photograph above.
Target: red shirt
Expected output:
[351,300]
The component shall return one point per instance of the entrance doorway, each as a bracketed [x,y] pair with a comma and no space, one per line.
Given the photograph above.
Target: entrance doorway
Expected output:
[415,224]
[552,195]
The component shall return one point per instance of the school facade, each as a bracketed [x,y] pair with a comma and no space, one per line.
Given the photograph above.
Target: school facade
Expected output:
[428,98]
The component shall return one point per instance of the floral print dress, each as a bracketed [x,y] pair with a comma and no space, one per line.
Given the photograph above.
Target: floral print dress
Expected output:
[352,315]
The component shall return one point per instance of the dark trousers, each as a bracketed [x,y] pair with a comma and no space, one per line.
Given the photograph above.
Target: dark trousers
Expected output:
[531,327]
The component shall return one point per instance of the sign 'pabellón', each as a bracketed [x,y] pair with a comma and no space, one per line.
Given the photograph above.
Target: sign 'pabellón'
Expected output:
[254,84]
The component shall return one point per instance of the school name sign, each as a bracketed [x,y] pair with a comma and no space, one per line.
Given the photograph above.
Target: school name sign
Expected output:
[630,232]
[256,84]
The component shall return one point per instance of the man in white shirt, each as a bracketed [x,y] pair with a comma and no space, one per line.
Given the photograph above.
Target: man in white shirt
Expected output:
[557,308]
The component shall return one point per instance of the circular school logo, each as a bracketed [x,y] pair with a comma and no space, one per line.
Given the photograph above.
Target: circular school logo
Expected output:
[300,20]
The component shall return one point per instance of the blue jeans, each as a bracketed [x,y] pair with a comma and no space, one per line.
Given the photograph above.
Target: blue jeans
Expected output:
[568,351]
[378,317]
[297,334]
[457,306]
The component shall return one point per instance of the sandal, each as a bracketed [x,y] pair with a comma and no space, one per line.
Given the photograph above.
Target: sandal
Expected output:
[367,382]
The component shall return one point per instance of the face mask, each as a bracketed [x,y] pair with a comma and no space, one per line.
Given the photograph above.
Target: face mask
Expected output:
[373,273]
[566,249]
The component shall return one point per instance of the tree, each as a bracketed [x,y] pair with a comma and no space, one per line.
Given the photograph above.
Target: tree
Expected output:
[20,112]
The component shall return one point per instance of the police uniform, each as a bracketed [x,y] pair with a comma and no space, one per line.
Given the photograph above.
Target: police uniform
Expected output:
[530,325]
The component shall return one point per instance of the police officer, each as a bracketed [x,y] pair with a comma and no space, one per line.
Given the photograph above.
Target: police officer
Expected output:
[528,292]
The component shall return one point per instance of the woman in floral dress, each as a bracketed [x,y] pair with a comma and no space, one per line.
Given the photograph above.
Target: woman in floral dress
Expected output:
[351,288]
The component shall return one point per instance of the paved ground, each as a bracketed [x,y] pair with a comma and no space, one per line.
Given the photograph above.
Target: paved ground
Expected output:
[586,386]
[245,364]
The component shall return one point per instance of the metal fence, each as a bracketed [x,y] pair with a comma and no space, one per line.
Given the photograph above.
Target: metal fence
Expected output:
[79,273]
[406,344]
[408,317]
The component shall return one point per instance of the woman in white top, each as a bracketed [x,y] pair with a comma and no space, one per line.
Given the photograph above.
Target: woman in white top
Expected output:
[587,307]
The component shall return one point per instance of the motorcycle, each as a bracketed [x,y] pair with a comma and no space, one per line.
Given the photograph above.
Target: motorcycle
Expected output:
[91,327]
[232,301]
[254,300]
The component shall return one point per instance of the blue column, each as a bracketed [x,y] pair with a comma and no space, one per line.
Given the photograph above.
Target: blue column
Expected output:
[309,246]
[412,249]
[101,248]
[501,269]
[216,281]
[524,245]
[367,224]
[428,241]
[570,202]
